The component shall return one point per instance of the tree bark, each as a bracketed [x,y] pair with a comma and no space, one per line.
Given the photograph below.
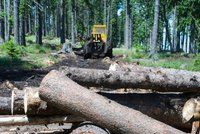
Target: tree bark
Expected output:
[161,80]
[128,26]
[104,12]
[191,110]
[1,22]
[21,120]
[22,28]
[17,103]
[5,105]
[73,29]
[58,21]
[153,47]
[62,14]
[33,105]
[16,21]
[7,19]
[175,38]
[166,108]
[38,23]
[5,92]
[69,96]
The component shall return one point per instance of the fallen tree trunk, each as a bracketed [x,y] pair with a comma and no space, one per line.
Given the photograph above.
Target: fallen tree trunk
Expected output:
[33,105]
[191,110]
[5,92]
[17,106]
[166,108]
[5,105]
[175,81]
[65,94]
[25,120]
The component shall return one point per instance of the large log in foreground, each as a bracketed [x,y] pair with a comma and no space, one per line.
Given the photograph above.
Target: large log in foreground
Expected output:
[166,108]
[67,95]
[175,81]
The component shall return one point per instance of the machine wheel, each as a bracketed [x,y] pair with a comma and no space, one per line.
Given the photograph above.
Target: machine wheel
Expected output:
[87,52]
[89,128]
[109,53]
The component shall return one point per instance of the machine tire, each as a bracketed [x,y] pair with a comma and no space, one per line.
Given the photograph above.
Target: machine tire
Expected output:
[109,53]
[87,52]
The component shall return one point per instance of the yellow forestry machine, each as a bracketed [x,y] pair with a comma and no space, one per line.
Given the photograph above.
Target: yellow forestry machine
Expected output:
[97,45]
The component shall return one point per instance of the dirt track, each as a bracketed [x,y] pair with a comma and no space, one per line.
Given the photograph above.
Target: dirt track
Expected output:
[21,78]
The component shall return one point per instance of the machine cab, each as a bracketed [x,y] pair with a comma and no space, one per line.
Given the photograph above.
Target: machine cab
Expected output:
[99,33]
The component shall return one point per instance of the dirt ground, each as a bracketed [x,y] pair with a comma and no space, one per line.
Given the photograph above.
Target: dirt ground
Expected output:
[21,78]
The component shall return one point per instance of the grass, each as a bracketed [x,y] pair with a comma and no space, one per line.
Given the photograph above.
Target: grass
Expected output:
[166,60]
[33,56]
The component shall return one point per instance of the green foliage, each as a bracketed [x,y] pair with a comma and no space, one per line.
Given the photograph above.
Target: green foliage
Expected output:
[197,63]
[13,50]
[37,49]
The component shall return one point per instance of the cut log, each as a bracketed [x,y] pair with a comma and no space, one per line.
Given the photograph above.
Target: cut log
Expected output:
[67,95]
[5,92]
[33,105]
[25,120]
[162,81]
[166,108]
[5,105]
[17,106]
[191,110]
[195,127]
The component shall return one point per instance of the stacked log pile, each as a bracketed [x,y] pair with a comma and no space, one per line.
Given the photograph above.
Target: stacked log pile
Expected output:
[63,97]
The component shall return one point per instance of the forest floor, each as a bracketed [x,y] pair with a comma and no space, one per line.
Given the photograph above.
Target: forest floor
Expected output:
[36,57]
[182,61]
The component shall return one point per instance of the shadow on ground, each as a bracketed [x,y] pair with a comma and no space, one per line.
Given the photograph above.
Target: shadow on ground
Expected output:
[8,63]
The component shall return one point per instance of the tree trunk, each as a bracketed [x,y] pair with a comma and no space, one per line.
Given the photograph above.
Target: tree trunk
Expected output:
[174,48]
[16,22]
[128,24]
[21,120]
[17,106]
[38,23]
[7,19]
[5,105]
[105,11]
[5,92]
[153,47]
[1,23]
[69,96]
[161,80]
[192,37]
[30,24]
[166,108]
[33,105]
[58,21]
[22,29]
[62,14]
[191,110]
[73,21]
